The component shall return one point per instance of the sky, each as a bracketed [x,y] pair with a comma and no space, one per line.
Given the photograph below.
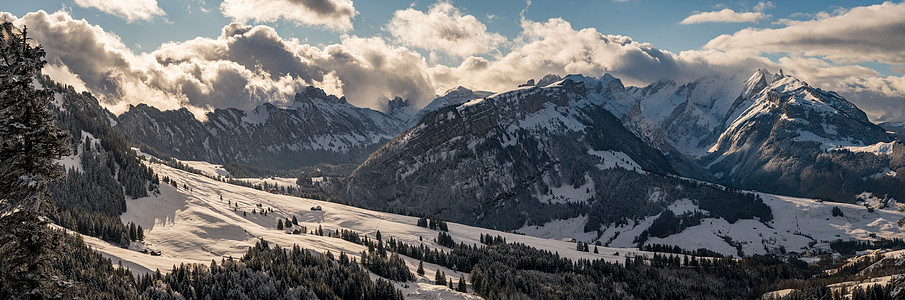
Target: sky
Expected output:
[207,54]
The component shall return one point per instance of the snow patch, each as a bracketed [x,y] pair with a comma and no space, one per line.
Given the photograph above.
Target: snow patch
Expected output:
[616,159]
[206,168]
[825,143]
[569,194]
[561,229]
[878,148]
[256,116]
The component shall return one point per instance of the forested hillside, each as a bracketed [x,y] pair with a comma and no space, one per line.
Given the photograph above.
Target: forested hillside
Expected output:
[102,172]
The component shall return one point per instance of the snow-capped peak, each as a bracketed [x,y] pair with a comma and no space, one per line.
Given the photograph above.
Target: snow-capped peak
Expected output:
[757,82]
[457,90]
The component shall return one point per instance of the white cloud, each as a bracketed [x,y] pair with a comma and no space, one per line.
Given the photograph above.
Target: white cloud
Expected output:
[443,28]
[762,6]
[723,16]
[129,10]
[862,34]
[243,67]
[825,50]
[62,74]
[555,47]
[334,14]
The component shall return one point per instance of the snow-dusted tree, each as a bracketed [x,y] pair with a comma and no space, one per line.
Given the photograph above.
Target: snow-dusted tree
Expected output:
[29,144]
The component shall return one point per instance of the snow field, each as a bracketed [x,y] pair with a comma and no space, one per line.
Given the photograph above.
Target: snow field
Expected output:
[194,226]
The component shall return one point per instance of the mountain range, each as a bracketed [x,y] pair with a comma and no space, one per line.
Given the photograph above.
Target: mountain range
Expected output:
[561,148]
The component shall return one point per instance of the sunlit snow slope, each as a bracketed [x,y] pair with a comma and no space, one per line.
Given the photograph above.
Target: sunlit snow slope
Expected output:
[195,225]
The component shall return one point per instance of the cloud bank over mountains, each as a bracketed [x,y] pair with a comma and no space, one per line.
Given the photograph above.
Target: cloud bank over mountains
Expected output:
[247,65]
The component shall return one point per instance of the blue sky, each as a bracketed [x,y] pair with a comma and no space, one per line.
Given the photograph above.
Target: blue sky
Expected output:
[855,49]
[655,22]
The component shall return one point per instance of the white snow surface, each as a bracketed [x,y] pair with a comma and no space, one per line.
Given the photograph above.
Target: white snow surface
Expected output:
[74,160]
[878,148]
[561,229]
[194,226]
[796,222]
[616,159]
[831,144]
[569,194]
[206,167]
[278,181]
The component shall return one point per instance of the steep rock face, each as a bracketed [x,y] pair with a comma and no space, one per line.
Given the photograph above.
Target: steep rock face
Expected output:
[798,140]
[526,156]
[691,115]
[316,128]
[771,132]
[401,109]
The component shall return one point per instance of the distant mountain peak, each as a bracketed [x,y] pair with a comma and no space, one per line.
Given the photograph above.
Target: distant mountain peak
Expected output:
[400,108]
[548,79]
[311,92]
[757,82]
[545,81]
[457,90]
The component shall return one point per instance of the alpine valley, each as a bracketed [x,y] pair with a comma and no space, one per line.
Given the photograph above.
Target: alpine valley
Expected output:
[744,185]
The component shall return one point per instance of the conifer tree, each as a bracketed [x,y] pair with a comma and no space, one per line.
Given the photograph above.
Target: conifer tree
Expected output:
[421,268]
[280,224]
[463,287]
[29,144]
[440,278]
[133,235]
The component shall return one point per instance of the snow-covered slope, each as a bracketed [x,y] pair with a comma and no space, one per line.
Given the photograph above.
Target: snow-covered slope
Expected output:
[316,128]
[799,225]
[195,225]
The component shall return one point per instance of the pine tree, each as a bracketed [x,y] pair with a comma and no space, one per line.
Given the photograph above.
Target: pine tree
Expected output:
[421,268]
[133,235]
[280,224]
[141,233]
[463,287]
[295,221]
[29,144]
[440,278]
